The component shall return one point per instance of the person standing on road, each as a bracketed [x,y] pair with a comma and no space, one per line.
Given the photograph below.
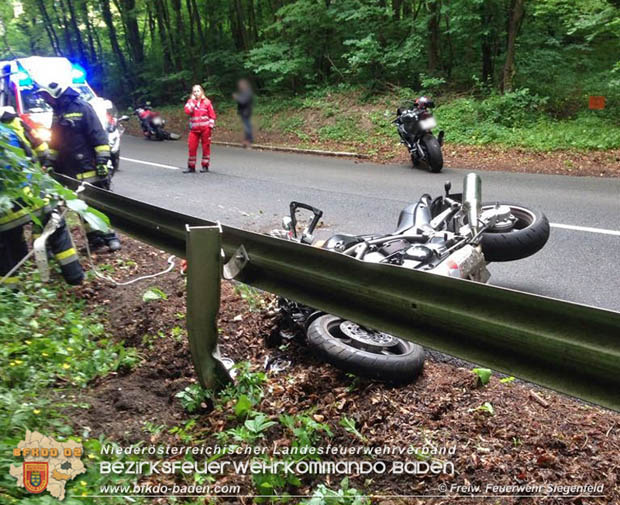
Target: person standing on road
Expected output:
[201,123]
[79,146]
[244,98]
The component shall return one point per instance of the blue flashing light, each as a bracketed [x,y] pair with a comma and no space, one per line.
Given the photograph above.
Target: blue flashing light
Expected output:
[78,74]
[24,78]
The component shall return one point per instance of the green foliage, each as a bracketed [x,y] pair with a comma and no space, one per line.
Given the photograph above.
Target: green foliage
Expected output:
[344,496]
[350,426]
[251,295]
[247,384]
[513,120]
[484,375]
[48,340]
[154,293]
[565,49]
[486,408]
[305,430]
[192,396]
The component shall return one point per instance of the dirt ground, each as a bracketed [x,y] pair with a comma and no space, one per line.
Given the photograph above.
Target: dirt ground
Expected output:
[469,157]
[534,436]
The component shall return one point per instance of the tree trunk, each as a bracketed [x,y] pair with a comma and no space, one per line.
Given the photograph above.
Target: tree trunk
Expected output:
[133,31]
[201,35]
[62,22]
[49,28]
[164,27]
[116,48]
[253,29]
[179,30]
[89,30]
[396,9]
[433,28]
[76,31]
[486,46]
[514,24]
[192,19]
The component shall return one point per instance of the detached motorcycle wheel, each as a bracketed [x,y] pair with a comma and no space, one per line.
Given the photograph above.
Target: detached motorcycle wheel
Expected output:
[528,235]
[433,153]
[368,353]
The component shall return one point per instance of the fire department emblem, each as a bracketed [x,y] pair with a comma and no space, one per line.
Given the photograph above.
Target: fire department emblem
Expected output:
[35,476]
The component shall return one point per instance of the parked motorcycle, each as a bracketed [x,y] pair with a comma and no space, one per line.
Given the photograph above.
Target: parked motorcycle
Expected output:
[454,235]
[414,125]
[115,128]
[152,124]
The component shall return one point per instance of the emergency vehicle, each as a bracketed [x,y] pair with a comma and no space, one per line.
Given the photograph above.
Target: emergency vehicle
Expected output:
[18,90]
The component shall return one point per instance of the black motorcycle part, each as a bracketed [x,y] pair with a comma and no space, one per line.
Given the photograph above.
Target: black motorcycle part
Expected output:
[341,242]
[394,246]
[434,157]
[383,357]
[529,235]
[415,214]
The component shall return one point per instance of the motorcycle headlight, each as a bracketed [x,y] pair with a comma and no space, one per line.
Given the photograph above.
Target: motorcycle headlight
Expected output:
[45,134]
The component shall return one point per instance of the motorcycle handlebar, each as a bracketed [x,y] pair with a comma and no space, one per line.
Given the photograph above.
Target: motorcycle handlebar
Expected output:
[318,213]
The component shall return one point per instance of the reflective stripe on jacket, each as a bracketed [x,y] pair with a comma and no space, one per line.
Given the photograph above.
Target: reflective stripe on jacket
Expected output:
[201,114]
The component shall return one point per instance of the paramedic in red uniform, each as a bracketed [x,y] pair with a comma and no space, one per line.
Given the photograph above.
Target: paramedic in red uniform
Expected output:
[201,123]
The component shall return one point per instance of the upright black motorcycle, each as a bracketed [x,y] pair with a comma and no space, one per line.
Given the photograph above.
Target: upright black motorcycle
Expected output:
[415,125]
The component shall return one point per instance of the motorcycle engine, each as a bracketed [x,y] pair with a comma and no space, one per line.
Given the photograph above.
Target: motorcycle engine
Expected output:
[409,120]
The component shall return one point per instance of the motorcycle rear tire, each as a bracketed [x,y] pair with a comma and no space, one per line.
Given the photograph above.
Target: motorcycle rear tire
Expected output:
[528,238]
[401,368]
[433,153]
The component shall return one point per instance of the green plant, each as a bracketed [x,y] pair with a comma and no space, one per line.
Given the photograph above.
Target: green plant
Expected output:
[154,293]
[247,383]
[484,375]
[193,396]
[251,295]
[349,425]
[345,495]
[48,339]
[305,430]
[486,408]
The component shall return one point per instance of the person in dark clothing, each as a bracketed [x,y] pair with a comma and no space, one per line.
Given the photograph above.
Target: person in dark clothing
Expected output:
[79,146]
[244,98]
[13,246]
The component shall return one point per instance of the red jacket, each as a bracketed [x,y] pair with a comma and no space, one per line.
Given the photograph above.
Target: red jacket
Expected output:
[201,114]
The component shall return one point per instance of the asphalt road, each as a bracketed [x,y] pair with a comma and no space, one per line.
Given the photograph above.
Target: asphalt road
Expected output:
[252,189]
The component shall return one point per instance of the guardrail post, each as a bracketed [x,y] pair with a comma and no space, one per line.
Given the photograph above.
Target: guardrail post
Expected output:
[204,267]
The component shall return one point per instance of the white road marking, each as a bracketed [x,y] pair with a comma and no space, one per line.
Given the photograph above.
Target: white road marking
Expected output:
[588,229]
[150,163]
[602,231]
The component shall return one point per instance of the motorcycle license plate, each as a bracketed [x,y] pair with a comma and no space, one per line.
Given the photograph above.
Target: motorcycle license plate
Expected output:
[428,123]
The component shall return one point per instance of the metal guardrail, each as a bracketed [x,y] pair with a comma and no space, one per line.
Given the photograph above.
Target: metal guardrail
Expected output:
[572,348]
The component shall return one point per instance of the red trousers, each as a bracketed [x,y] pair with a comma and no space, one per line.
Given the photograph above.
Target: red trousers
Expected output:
[194,138]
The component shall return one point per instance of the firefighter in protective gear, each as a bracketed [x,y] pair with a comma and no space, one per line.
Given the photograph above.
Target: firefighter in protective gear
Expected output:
[33,146]
[13,246]
[79,146]
[201,123]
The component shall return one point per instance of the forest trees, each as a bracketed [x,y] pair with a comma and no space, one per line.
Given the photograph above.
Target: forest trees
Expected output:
[157,48]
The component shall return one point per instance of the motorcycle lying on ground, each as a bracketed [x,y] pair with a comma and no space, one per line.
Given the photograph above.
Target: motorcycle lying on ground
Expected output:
[414,125]
[152,124]
[454,235]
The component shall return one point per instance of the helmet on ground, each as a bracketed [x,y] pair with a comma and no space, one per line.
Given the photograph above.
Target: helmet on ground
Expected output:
[424,102]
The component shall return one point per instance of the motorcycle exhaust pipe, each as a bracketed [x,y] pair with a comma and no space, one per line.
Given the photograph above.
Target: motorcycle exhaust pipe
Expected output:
[472,199]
